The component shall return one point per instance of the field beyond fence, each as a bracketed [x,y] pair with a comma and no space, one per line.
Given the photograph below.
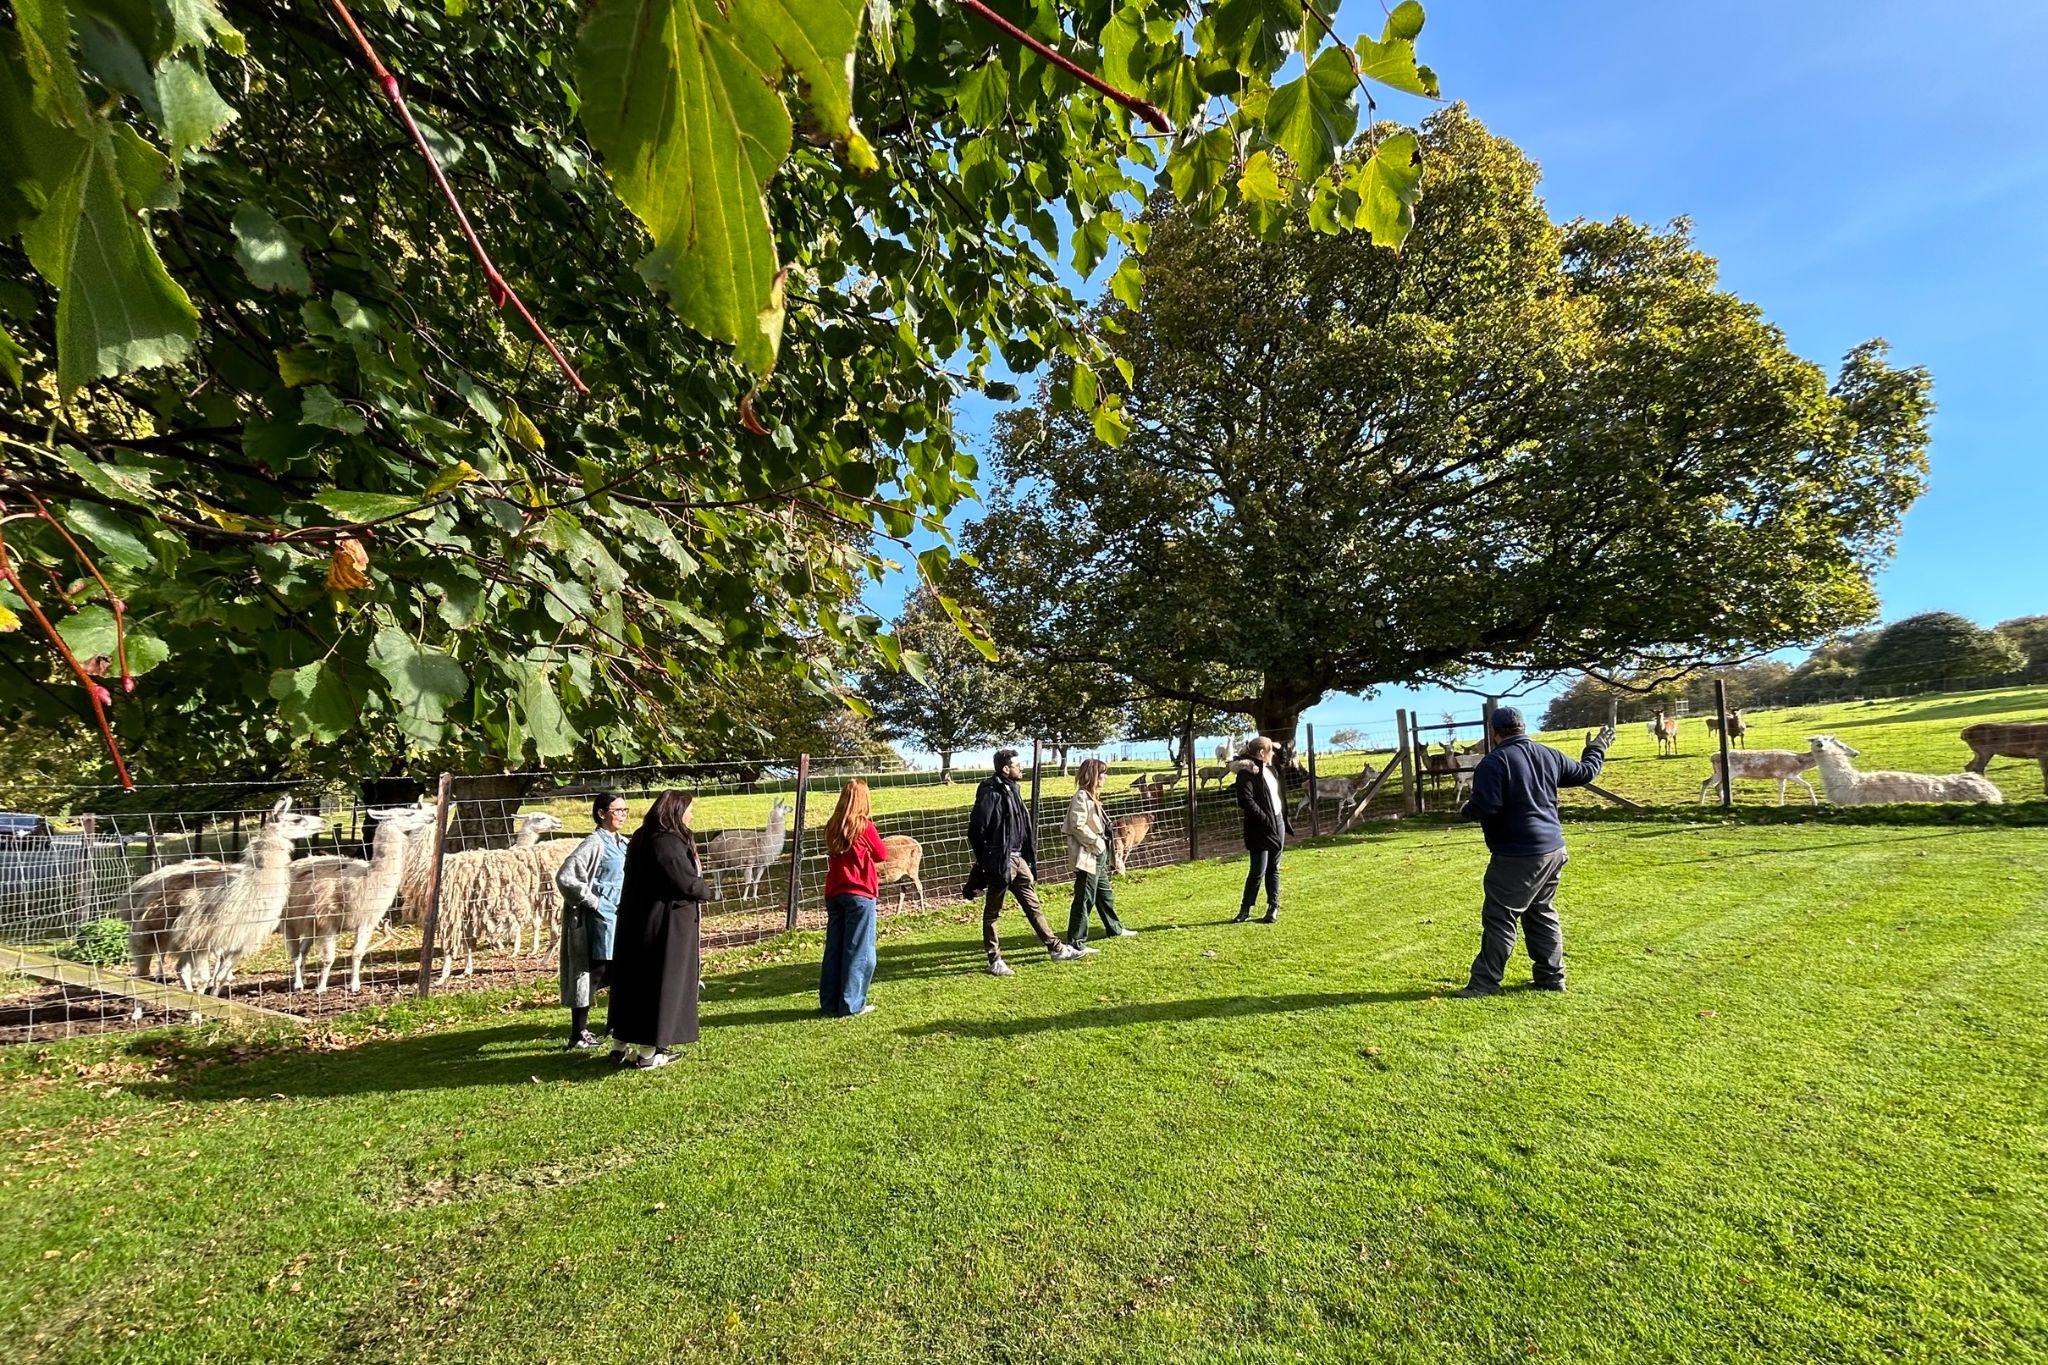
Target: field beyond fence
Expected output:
[77,933]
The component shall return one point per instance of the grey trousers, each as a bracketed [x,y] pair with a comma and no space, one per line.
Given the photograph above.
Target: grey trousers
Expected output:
[1024,886]
[1521,889]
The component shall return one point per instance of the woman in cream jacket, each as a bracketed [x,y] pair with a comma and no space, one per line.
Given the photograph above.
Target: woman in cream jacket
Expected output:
[1088,841]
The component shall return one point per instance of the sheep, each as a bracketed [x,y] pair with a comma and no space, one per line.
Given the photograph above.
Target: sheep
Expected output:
[1664,730]
[330,894]
[1847,787]
[905,863]
[1126,832]
[490,895]
[1764,765]
[1737,726]
[2009,740]
[749,852]
[231,918]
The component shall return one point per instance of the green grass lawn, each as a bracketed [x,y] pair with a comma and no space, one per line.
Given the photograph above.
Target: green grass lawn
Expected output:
[1793,1109]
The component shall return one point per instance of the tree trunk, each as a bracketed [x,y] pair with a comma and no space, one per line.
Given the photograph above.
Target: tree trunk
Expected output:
[1061,750]
[485,807]
[945,765]
[1278,716]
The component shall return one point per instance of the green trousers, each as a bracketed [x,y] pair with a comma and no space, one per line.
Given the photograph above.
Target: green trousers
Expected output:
[1091,892]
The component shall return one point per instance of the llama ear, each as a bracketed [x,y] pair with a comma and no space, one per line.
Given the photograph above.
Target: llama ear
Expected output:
[284,804]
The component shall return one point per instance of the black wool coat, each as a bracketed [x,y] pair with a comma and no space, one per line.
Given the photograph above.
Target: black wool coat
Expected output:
[655,958]
[1264,826]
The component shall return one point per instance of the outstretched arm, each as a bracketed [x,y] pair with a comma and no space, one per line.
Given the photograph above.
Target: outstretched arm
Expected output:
[1591,760]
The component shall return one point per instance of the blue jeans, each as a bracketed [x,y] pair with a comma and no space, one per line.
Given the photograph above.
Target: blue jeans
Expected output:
[849,954]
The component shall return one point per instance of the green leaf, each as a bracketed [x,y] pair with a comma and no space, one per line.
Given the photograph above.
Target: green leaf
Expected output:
[422,683]
[193,111]
[454,476]
[520,430]
[1315,114]
[110,534]
[1391,60]
[1200,166]
[1260,182]
[918,667]
[1388,185]
[541,710]
[975,633]
[1123,49]
[90,634]
[1111,426]
[982,95]
[11,356]
[361,507]
[1128,283]
[299,366]
[320,701]
[1083,387]
[320,408]
[270,255]
[680,97]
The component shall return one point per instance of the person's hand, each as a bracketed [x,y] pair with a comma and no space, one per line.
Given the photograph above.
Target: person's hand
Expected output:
[1601,740]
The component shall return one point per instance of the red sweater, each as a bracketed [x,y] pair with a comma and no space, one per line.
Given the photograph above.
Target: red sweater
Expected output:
[853,873]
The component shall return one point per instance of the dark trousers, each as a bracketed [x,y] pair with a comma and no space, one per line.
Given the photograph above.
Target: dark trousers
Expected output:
[1024,886]
[1521,889]
[849,954]
[1265,867]
[1091,892]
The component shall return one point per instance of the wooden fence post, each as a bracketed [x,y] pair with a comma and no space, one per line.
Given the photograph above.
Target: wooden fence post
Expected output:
[1187,753]
[1411,794]
[1037,758]
[433,919]
[1486,724]
[1314,822]
[1721,710]
[86,881]
[796,842]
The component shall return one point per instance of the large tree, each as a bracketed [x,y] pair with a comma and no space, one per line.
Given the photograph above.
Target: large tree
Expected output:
[353,500]
[950,698]
[1936,647]
[1516,445]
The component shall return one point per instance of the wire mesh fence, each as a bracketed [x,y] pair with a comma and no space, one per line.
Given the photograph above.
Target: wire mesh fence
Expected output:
[121,911]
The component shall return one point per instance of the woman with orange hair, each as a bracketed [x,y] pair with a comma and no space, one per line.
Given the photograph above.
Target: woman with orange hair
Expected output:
[853,854]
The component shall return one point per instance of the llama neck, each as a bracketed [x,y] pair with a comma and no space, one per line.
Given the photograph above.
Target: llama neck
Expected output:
[528,836]
[387,864]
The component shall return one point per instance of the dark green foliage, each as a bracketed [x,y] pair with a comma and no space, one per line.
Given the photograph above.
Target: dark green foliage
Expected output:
[100,943]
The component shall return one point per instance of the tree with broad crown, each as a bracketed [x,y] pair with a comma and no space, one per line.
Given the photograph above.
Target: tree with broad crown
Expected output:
[255,388]
[1516,446]
[2029,635]
[1936,647]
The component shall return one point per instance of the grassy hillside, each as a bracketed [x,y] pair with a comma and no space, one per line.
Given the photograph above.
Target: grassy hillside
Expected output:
[1791,1110]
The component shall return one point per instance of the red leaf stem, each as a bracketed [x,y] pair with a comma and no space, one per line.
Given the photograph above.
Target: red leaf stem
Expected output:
[501,293]
[113,598]
[1144,109]
[93,691]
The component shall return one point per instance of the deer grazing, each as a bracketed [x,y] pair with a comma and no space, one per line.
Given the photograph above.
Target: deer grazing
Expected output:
[2010,740]
[905,863]
[1664,729]
[1737,726]
[1126,832]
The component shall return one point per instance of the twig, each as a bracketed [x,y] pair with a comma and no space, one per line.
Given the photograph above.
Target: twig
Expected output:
[1144,109]
[113,598]
[501,292]
[92,689]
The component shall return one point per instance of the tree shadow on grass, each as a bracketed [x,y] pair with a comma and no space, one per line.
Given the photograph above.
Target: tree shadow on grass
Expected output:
[1166,1012]
[1982,708]
[1747,853]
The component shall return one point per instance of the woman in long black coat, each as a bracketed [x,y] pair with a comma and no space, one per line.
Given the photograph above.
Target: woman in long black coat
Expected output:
[655,961]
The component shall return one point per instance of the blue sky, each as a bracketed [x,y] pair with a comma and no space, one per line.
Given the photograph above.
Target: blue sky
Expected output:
[1859,169]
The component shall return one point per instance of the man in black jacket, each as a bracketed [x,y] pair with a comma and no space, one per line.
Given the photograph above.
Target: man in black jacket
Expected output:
[1262,801]
[1514,799]
[1006,858]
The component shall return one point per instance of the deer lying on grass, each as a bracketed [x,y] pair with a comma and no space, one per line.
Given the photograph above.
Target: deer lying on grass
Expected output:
[1764,765]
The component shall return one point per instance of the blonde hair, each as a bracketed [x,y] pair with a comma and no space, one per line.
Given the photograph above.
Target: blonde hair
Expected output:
[849,817]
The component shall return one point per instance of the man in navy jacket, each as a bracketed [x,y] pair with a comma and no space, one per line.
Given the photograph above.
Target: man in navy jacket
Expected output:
[1514,799]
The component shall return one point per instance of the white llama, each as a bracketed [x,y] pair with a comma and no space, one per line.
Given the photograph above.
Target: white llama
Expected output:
[332,894]
[1847,787]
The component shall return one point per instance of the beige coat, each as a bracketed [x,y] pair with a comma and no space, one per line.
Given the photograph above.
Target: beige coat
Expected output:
[1087,831]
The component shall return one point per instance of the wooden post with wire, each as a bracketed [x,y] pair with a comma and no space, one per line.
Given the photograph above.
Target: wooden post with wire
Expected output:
[1314,824]
[433,918]
[1187,753]
[1721,710]
[796,842]
[1037,760]
[1486,724]
[1411,793]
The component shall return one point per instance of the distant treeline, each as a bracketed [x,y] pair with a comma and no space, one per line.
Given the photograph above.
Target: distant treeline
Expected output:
[1932,650]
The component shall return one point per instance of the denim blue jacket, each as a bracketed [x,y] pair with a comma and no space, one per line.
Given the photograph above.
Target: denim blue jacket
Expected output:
[1514,794]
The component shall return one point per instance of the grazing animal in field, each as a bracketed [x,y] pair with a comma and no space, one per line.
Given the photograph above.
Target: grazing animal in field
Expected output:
[1126,832]
[231,916]
[748,852]
[1454,764]
[1737,726]
[1664,729]
[905,863]
[331,895]
[1764,765]
[1207,775]
[1847,787]
[2008,740]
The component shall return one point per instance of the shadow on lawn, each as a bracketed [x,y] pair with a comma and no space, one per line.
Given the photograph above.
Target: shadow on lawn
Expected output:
[1997,707]
[1167,1012]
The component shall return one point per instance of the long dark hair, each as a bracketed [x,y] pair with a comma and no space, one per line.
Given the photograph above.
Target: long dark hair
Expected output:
[665,816]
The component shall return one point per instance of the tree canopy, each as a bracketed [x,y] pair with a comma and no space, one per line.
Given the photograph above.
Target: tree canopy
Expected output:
[1515,445]
[260,383]
[1936,647]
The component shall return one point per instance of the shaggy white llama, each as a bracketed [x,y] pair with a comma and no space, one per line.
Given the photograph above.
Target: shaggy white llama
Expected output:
[750,852]
[332,894]
[231,918]
[1847,787]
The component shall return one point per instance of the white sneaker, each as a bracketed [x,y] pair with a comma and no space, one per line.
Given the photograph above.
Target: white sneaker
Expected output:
[1085,951]
[1062,952]
[1125,933]
[865,1009]
[1000,968]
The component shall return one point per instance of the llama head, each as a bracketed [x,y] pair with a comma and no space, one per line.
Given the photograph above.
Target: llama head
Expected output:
[294,825]
[1823,744]
[539,822]
[778,812]
[402,820]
